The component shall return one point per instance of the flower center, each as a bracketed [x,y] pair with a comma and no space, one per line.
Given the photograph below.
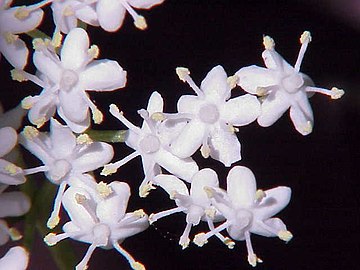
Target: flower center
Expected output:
[59,169]
[292,83]
[69,79]
[241,222]
[149,144]
[101,234]
[209,113]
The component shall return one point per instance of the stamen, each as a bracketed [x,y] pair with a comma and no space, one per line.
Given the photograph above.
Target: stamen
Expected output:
[112,167]
[307,127]
[84,202]
[145,188]
[21,76]
[56,39]
[226,240]
[114,110]
[184,239]
[103,189]
[154,217]
[93,51]
[139,21]
[134,264]
[83,264]
[28,102]
[10,38]
[22,13]
[232,81]
[201,238]
[259,195]
[30,133]
[84,139]
[334,93]
[14,234]
[52,239]
[252,258]
[54,217]
[304,40]
[145,115]
[285,235]
[12,169]
[184,75]
[269,43]
[158,116]
[43,168]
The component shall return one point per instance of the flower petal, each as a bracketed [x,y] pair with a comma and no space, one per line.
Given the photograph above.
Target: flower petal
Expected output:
[17,258]
[73,105]
[155,103]
[12,118]
[275,224]
[45,107]
[126,229]
[74,52]
[10,179]
[276,199]
[273,107]
[146,4]
[204,178]
[241,186]
[252,77]
[103,75]
[170,184]
[301,114]
[9,23]
[111,14]
[215,85]
[77,127]
[241,110]
[189,140]
[224,146]
[16,52]
[189,104]
[14,204]
[8,140]
[88,15]
[63,141]
[273,60]
[48,66]
[182,168]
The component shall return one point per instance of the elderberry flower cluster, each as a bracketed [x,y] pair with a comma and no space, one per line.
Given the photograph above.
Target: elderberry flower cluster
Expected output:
[207,120]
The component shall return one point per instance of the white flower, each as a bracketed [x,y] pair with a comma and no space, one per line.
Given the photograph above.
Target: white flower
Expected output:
[67,80]
[213,117]
[65,157]
[14,21]
[66,14]
[12,204]
[12,118]
[17,258]
[283,87]
[248,210]
[101,221]
[149,143]
[111,13]
[10,174]
[196,204]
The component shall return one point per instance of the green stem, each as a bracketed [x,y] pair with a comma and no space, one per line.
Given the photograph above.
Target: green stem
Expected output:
[111,136]
[36,33]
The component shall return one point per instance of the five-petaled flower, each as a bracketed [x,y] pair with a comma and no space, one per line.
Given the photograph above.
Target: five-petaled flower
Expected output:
[101,220]
[248,210]
[283,86]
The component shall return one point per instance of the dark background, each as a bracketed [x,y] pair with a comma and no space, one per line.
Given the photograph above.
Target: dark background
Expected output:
[321,169]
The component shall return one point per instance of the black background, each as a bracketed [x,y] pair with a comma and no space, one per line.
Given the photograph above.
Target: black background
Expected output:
[321,169]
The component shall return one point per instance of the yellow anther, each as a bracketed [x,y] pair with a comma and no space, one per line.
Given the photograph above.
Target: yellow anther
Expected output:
[261,91]
[84,139]
[108,169]
[10,38]
[144,190]
[337,93]
[200,239]
[138,266]
[172,194]
[139,213]
[205,151]
[15,235]
[38,43]
[94,51]
[27,103]
[50,239]
[209,192]
[80,199]
[253,260]
[232,81]
[285,236]
[230,244]
[182,73]
[30,132]
[268,42]
[103,189]
[184,244]
[18,75]
[307,128]
[210,212]
[97,116]
[22,13]
[68,11]
[158,116]
[233,129]
[56,40]
[259,195]
[151,219]
[40,122]
[140,23]
[305,37]
[12,169]
[53,222]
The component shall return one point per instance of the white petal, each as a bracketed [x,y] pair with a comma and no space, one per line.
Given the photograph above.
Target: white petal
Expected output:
[40,146]
[189,140]
[126,229]
[112,209]
[111,14]
[155,103]
[74,52]
[182,168]
[215,84]
[146,4]
[10,179]
[273,107]
[9,23]
[241,110]
[77,127]
[241,186]
[275,224]
[47,66]
[189,104]
[88,15]
[275,61]
[93,157]
[204,178]
[103,75]
[16,52]
[62,139]
[73,105]
[45,107]
[8,140]
[252,77]
[13,204]
[170,184]
[12,118]
[301,114]
[276,199]
[17,258]
[224,146]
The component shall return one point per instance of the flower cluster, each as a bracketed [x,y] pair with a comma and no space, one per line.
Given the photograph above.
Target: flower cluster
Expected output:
[166,141]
